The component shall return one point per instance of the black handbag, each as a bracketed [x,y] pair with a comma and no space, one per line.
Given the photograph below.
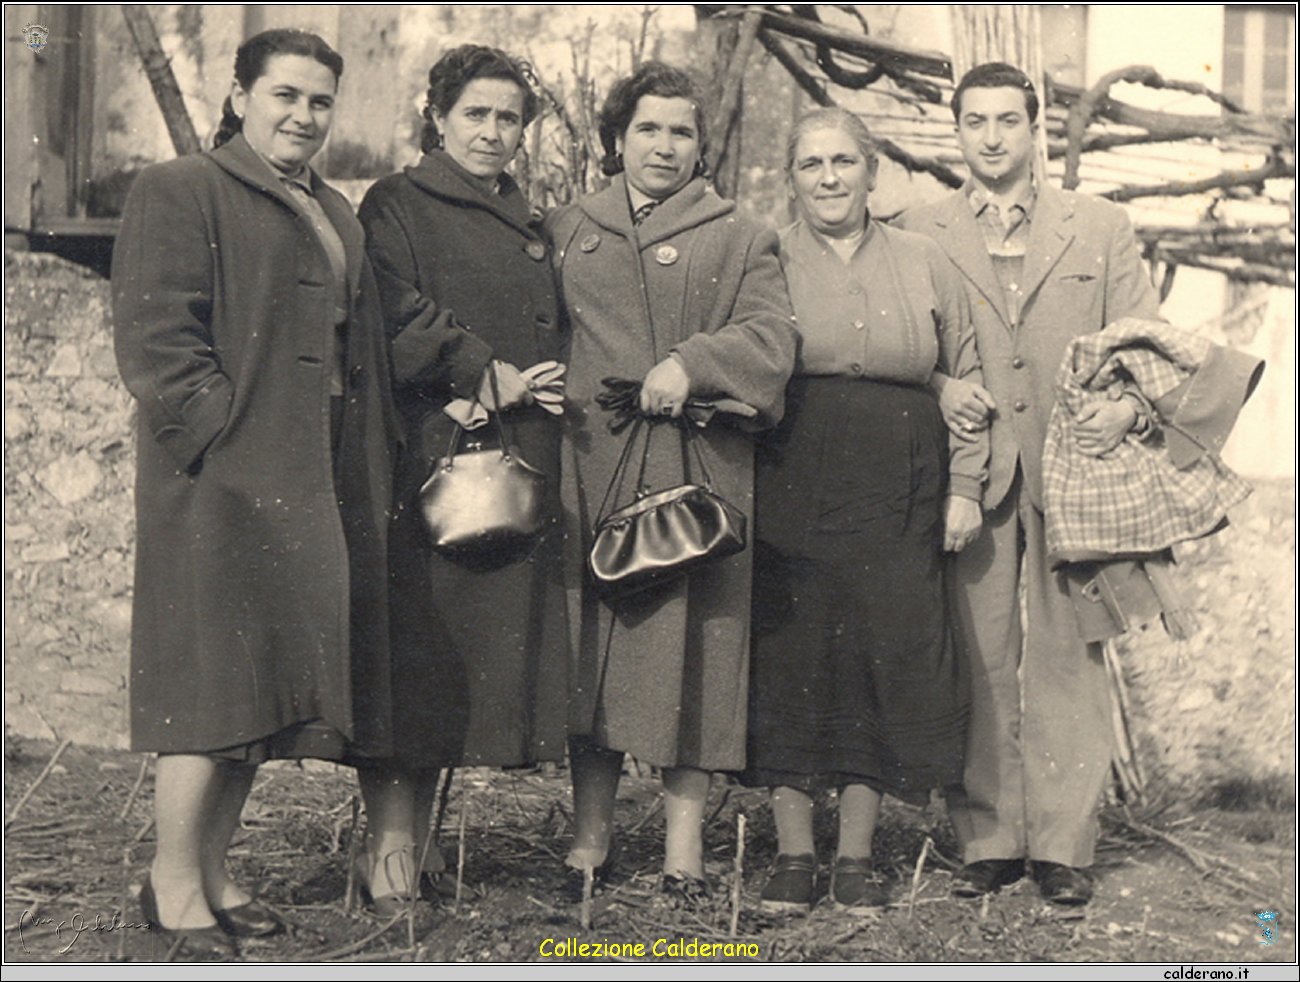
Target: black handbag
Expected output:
[665,534]
[485,506]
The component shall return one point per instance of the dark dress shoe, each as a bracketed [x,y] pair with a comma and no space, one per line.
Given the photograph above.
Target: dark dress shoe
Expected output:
[857,885]
[1061,884]
[791,884]
[985,876]
[251,920]
[203,942]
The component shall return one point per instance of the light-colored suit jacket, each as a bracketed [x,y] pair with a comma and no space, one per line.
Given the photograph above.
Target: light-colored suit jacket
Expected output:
[1082,271]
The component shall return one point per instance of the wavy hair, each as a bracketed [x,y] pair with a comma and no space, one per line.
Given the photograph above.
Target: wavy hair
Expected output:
[460,66]
[657,79]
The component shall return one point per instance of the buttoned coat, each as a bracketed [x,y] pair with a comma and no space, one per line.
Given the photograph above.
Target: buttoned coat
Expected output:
[663,674]
[260,598]
[480,655]
[1081,271]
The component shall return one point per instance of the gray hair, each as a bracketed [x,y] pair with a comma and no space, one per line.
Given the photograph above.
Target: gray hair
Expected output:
[835,118]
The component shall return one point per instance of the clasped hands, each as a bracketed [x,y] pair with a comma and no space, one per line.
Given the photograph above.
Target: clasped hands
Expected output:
[1099,427]
[542,384]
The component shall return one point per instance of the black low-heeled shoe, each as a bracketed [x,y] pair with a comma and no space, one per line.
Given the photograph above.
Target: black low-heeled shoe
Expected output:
[251,920]
[209,942]
[791,884]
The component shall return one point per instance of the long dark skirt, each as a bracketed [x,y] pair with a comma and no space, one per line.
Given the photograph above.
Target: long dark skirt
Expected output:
[854,677]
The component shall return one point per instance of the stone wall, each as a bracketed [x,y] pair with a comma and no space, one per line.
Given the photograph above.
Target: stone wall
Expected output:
[69,522]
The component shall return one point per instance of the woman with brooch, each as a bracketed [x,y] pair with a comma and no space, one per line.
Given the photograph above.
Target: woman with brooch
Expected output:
[666,286]
[854,682]
[470,308]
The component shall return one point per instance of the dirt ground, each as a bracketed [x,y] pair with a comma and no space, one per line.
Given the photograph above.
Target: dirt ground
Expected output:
[1175,885]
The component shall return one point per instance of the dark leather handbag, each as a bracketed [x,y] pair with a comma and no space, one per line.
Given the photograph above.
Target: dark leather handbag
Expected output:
[664,534]
[485,506]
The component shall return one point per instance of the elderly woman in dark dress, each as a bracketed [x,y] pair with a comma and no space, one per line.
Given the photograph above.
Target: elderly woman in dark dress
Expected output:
[247,328]
[479,652]
[666,285]
[854,682]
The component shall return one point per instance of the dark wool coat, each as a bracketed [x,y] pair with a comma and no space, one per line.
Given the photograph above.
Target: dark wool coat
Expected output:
[666,678]
[259,590]
[480,655]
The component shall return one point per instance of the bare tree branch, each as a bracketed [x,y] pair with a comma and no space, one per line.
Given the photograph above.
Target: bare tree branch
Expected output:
[158,68]
[899,56]
[888,148]
[1230,178]
[729,101]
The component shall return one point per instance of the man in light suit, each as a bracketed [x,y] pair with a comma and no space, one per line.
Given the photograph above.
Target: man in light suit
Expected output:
[1040,267]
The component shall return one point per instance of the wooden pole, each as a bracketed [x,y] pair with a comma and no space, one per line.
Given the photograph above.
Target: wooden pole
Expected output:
[157,66]
[724,122]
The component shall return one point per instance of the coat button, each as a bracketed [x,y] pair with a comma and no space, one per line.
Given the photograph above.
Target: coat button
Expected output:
[1017,362]
[1021,405]
[536,251]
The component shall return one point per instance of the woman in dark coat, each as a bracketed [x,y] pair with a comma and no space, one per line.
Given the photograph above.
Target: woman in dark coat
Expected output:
[663,285]
[247,327]
[466,282]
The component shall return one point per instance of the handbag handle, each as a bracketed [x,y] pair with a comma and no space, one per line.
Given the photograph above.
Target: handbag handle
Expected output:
[689,441]
[460,431]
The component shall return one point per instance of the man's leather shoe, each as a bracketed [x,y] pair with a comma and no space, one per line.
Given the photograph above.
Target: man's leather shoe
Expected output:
[985,876]
[1060,884]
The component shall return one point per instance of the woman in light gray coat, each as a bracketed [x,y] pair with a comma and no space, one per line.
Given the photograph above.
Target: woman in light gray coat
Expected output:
[663,284]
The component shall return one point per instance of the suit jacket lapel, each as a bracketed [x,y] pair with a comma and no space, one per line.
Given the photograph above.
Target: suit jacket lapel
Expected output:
[1050,232]
[963,241]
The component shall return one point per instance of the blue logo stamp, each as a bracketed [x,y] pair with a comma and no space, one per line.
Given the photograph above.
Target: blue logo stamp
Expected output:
[1267,920]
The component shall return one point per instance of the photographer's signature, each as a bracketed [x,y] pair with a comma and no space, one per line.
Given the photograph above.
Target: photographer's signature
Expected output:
[68,930]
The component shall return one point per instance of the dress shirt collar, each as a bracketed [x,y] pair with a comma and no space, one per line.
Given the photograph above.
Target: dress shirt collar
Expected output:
[980,198]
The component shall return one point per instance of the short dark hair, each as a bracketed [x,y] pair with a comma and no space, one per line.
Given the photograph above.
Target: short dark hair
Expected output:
[996,75]
[653,78]
[250,65]
[460,66]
